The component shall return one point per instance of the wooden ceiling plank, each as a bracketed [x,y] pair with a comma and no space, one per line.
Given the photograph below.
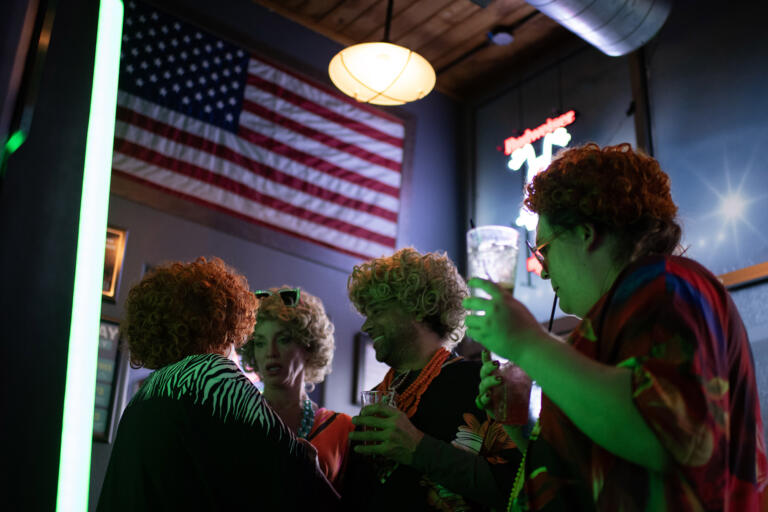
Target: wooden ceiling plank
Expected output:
[531,33]
[293,5]
[412,17]
[471,33]
[344,14]
[370,25]
[444,20]
[450,44]
[318,9]
[278,7]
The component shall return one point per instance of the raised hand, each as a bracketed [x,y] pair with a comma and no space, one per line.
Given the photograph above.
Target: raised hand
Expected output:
[390,433]
[506,326]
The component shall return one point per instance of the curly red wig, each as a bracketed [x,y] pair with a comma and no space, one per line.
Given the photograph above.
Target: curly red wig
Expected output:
[615,188]
[181,309]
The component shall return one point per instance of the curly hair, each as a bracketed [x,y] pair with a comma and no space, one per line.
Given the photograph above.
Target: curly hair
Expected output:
[427,286]
[620,190]
[309,327]
[181,309]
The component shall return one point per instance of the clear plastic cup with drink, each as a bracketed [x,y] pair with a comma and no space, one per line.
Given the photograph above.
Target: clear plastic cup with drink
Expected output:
[376,397]
[492,254]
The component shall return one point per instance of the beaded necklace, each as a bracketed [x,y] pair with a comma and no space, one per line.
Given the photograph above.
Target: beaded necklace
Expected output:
[408,400]
[307,419]
[517,486]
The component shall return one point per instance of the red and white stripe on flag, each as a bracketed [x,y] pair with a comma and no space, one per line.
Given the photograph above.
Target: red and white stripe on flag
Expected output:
[300,158]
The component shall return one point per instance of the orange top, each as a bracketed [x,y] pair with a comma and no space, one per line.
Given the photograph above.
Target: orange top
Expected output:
[329,434]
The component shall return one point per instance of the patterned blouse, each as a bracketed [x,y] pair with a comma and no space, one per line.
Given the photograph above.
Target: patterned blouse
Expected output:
[673,324]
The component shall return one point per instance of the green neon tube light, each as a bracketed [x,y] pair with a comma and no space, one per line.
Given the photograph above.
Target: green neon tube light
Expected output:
[15,141]
[77,424]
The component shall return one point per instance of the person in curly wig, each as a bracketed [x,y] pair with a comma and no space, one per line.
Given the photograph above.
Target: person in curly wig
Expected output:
[651,403]
[216,315]
[184,320]
[291,349]
[434,449]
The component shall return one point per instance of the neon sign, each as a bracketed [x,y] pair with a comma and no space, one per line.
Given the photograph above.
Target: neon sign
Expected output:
[529,136]
[520,150]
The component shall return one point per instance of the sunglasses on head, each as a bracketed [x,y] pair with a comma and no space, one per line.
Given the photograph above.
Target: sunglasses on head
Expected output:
[289,296]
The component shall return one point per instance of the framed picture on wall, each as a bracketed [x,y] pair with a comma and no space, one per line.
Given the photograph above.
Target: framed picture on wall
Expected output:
[113,262]
[368,371]
[111,379]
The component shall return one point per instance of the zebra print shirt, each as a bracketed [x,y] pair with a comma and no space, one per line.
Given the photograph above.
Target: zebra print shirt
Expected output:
[214,381]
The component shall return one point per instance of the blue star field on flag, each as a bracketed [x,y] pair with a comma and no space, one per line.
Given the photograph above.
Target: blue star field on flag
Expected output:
[178,66]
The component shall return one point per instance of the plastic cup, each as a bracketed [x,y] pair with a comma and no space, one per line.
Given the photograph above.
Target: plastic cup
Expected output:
[492,254]
[510,400]
[375,397]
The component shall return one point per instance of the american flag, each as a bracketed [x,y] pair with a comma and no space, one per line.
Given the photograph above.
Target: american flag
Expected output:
[208,121]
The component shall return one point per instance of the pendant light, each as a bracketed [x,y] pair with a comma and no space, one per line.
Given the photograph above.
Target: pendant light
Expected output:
[382,73]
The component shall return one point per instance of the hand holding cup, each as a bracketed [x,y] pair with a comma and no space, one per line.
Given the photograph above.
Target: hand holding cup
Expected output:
[504,391]
[387,431]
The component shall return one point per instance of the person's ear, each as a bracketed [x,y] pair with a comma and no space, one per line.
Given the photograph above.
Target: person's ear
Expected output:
[589,235]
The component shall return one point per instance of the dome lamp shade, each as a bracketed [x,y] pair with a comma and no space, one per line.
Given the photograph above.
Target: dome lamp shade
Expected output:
[382,73]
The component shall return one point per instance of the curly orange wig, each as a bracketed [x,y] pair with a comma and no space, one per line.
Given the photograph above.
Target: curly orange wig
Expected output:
[615,188]
[309,327]
[181,309]
[427,286]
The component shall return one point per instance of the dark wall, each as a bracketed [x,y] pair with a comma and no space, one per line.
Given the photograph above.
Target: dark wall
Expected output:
[39,208]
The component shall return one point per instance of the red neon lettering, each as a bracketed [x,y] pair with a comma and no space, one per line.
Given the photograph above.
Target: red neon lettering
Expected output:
[528,136]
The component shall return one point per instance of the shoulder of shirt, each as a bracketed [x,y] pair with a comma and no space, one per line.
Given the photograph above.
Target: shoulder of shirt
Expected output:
[215,382]
[670,269]
[657,265]
[327,413]
[461,364]
[195,368]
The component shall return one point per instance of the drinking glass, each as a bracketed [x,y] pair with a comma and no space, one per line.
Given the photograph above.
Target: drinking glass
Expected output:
[492,254]
[376,397]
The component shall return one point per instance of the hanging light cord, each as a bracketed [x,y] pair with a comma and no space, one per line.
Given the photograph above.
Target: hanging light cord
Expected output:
[388,22]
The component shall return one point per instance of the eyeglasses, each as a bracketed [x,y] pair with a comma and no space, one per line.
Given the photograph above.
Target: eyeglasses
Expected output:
[536,251]
[289,296]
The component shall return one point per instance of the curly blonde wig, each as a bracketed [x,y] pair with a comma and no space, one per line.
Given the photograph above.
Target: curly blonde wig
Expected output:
[615,188]
[181,309]
[309,327]
[427,286]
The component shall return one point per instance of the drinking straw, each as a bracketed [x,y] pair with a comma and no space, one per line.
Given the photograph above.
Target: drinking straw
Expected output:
[552,315]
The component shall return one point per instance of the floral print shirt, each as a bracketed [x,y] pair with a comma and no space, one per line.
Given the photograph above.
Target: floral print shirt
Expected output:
[673,324]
